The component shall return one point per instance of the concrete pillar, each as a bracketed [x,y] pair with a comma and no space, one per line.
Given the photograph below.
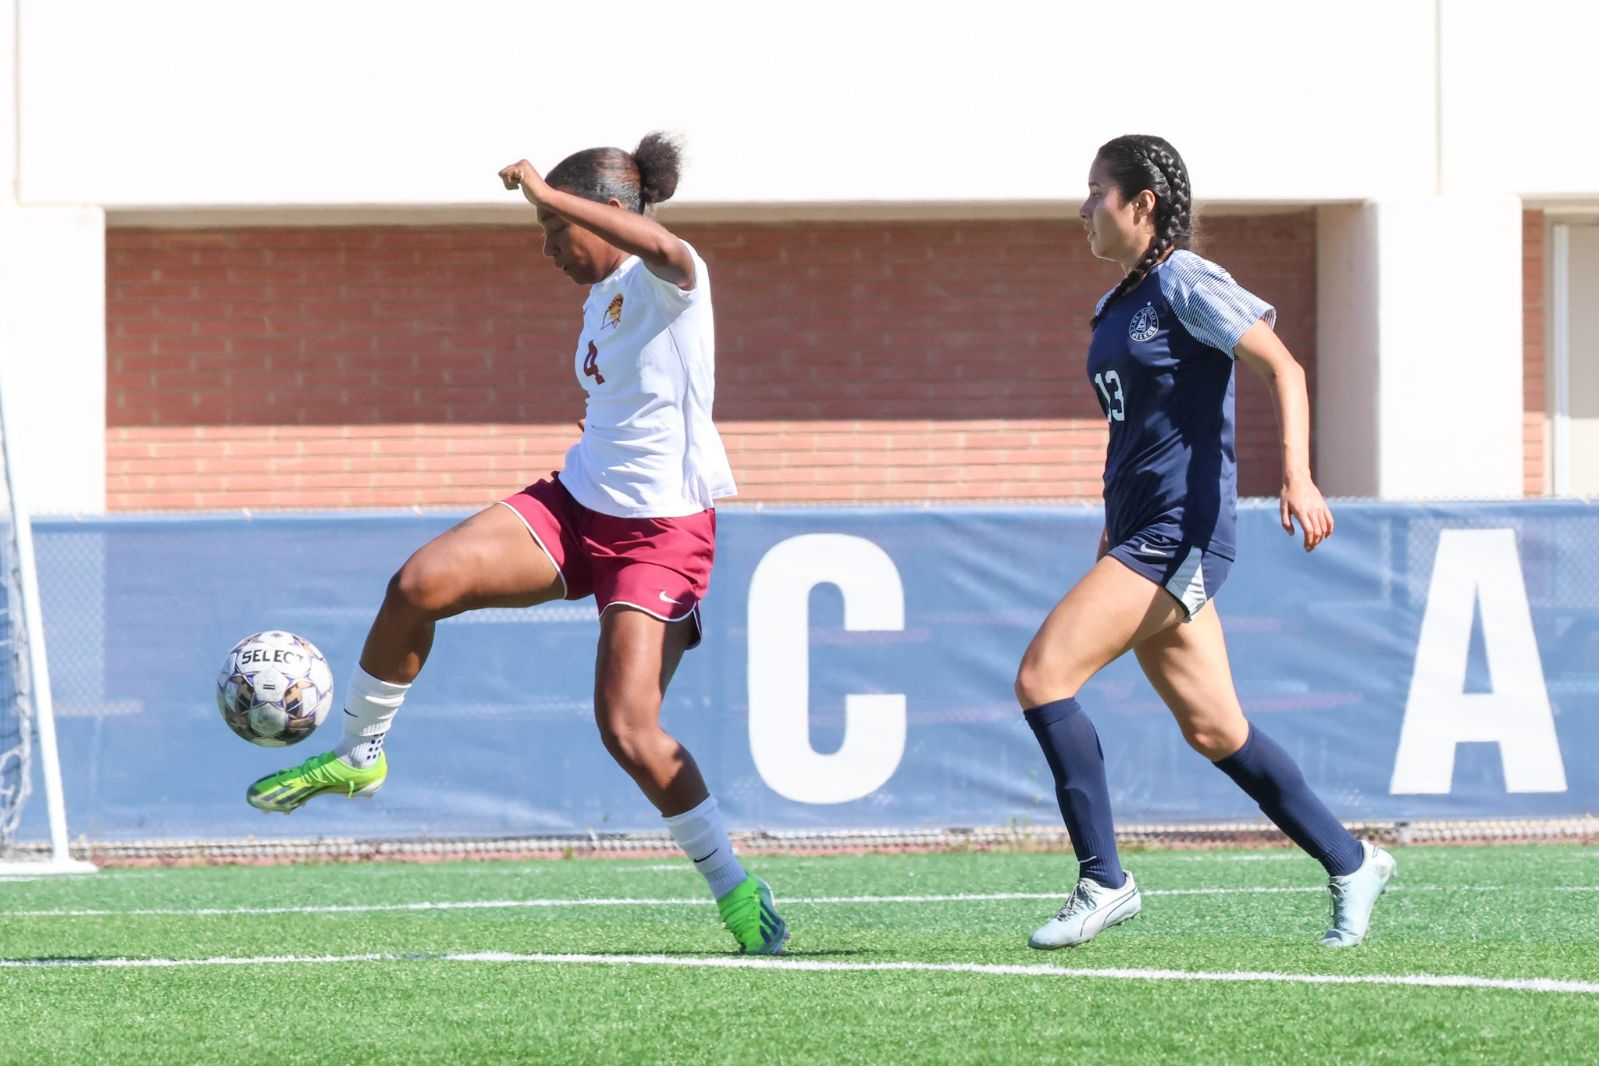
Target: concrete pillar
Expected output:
[1418,348]
[52,324]
[1345,415]
[53,351]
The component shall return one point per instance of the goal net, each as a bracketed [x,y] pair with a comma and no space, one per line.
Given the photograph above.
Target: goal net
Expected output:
[27,728]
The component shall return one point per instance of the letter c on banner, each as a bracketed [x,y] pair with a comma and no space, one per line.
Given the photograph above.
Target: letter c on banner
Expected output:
[779,668]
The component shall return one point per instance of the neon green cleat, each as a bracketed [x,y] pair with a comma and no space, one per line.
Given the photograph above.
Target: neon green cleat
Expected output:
[748,913]
[287,789]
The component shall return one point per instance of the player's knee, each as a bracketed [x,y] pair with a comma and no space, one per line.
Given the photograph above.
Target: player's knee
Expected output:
[1211,742]
[424,586]
[1037,683]
[618,742]
[631,747]
[1024,687]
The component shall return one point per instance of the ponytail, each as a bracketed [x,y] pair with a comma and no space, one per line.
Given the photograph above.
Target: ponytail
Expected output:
[637,180]
[658,159]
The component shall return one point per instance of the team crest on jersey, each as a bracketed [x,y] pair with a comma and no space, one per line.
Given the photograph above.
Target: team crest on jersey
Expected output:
[1145,324]
[613,313]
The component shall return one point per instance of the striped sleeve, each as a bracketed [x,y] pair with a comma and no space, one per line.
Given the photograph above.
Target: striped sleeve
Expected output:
[1213,307]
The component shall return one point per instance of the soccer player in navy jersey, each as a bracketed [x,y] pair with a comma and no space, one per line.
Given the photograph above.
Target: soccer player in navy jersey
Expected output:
[1161,361]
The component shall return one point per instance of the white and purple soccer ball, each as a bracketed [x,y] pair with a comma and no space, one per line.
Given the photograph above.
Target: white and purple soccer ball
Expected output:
[274,688]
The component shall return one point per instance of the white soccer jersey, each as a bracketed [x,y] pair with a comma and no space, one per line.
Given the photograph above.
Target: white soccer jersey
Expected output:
[647,359]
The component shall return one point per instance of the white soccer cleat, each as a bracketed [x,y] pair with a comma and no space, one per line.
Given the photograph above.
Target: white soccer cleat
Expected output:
[1354,895]
[1089,910]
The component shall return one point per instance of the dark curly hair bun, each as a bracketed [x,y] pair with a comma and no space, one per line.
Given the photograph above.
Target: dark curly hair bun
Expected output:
[659,158]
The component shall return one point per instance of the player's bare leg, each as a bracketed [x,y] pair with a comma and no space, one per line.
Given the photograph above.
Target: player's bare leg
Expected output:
[638,654]
[1188,666]
[637,657]
[489,560]
[1109,611]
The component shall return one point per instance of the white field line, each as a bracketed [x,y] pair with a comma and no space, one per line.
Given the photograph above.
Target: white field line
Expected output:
[496,868]
[734,962]
[1290,856]
[697,901]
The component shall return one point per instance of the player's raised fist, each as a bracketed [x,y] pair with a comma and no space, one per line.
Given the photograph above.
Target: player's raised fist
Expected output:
[521,175]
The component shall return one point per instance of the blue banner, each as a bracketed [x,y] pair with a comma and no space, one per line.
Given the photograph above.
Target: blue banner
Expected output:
[1431,660]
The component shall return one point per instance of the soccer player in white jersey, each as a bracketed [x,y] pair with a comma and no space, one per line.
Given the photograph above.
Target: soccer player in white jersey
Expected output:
[1161,360]
[630,519]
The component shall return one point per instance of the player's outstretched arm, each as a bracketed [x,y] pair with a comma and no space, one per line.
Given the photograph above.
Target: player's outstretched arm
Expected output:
[1264,352]
[663,254]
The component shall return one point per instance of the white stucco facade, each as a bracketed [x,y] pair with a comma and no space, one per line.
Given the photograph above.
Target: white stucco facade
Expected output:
[1418,128]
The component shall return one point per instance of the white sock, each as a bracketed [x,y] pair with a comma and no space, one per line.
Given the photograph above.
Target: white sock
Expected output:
[700,834]
[369,706]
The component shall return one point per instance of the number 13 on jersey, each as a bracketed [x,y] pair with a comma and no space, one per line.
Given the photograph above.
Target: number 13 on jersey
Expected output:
[1115,402]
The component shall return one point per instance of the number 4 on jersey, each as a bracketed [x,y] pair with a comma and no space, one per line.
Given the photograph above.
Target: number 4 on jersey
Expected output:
[591,365]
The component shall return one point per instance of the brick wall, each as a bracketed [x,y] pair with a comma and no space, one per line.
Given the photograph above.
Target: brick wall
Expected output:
[328,367]
[1534,395]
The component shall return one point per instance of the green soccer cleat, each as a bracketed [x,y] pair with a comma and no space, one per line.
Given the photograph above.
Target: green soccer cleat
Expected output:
[287,789]
[748,913]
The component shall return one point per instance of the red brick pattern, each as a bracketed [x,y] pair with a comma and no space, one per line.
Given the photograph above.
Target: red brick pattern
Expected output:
[378,366]
[1534,388]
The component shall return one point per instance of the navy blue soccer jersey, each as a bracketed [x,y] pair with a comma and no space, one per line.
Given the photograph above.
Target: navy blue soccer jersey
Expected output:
[1161,361]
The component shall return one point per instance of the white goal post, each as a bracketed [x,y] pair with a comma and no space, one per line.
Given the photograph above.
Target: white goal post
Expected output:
[32,731]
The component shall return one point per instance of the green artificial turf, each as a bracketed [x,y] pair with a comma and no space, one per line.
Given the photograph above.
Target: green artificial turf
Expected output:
[1506,912]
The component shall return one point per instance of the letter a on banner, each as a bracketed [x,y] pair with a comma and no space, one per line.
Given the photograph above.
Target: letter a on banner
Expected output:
[1475,564]
[779,668]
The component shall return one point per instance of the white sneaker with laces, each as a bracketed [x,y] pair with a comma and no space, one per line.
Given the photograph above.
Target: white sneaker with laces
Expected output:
[1354,895]
[1089,910]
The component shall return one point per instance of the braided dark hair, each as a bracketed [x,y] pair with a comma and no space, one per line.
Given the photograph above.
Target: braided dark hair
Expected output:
[1136,162]
[638,179]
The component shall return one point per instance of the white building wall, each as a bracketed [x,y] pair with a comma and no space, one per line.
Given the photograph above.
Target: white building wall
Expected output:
[53,352]
[1575,362]
[1415,124]
[1347,446]
[9,135]
[1419,373]
[198,103]
[1519,98]
[52,328]
[1449,347]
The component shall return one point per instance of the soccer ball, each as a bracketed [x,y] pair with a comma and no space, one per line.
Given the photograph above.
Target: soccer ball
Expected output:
[274,688]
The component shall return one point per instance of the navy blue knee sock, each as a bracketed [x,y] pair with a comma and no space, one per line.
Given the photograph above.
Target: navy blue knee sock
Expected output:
[1072,749]
[1269,774]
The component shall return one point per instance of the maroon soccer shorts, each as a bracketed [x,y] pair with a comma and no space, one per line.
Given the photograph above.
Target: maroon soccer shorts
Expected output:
[661,566]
